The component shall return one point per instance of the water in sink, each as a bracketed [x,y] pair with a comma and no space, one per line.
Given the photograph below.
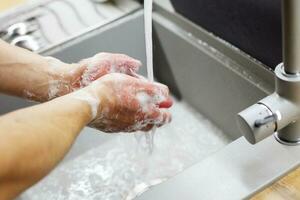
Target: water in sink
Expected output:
[117,170]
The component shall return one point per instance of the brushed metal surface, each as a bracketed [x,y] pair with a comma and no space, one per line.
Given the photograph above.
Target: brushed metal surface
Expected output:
[291,31]
[207,74]
[236,172]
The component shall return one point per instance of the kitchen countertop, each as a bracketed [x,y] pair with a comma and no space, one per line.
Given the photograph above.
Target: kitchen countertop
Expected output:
[7,4]
[287,187]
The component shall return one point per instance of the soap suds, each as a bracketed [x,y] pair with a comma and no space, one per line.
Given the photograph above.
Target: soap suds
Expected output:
[93,102]
[107,63]
[53,88]
[144,100]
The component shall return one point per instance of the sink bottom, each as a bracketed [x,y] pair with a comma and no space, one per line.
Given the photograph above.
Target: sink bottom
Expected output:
[120,167]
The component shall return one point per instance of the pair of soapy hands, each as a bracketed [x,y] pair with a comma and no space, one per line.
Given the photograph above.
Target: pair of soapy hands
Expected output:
[120,99]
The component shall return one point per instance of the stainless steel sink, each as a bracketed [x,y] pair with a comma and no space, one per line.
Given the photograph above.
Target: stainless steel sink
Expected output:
[214,78]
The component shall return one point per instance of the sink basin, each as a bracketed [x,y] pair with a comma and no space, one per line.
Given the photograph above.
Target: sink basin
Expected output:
[201,155]
[119,166]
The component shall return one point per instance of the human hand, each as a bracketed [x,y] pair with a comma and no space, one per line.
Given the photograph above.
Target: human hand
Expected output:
[65,78]
[121,103]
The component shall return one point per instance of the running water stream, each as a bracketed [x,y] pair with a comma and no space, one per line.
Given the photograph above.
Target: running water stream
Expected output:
[146,140]
[148,4]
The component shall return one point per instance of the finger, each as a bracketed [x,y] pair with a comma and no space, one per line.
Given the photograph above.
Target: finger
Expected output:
[136,75]
[106,63]
[148,128]
[166,118]
[158,122]
[147,113]
[126,64]
[121,63]
[94,72]
[158,117]
[166,104]
[158,93]
[76,74]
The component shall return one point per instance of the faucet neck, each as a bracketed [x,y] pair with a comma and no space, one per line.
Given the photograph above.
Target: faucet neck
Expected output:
[291,34]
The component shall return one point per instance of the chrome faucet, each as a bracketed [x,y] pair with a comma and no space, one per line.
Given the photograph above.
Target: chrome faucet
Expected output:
[279,113]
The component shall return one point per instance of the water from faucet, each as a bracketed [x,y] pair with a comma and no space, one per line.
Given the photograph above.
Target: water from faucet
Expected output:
[148,37]
[146,140]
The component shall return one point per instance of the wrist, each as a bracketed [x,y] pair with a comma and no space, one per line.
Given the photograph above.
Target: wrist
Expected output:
[91,99]
[81,108]
[58,78]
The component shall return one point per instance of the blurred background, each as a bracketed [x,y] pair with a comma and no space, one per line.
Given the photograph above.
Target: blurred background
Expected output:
[6,4]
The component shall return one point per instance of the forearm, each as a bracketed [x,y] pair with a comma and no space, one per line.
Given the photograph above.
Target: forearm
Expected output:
[23,73]
[34,140]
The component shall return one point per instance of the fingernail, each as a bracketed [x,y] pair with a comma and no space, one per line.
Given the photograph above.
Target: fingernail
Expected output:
[166,104]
